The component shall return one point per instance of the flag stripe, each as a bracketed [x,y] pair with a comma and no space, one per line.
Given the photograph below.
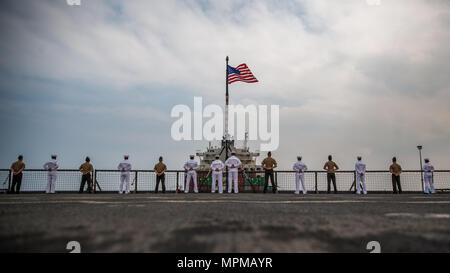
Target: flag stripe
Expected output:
[241,79]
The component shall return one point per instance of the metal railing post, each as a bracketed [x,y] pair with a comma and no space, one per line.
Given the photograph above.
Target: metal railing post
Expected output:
[315,181]
[9,180]
[178,184]
[276,181]
[136,181]
[91,182]
[421,179]
[95,181]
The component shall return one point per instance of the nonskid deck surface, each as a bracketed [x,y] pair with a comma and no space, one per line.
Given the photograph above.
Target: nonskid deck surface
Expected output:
[224,223]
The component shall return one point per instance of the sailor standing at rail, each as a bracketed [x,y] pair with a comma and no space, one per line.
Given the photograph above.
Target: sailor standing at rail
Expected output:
[360,169]
[51,166]
[86,169]
[216,168]
[125,168]
[395,169]
[300,168]
[17,169]
[331,169]
[428,170]
[268,165]
[160,170]
[191,166]
[233,163]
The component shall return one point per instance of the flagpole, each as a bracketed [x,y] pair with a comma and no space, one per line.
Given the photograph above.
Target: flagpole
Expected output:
[226,99]
[226,118]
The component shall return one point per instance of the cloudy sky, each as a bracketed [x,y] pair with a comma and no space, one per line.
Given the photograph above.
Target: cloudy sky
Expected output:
[101,79]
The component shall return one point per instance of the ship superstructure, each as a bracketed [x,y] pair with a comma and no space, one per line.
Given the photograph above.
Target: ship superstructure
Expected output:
[247,157]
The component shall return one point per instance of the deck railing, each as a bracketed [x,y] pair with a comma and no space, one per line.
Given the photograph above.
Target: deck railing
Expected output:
[68,180]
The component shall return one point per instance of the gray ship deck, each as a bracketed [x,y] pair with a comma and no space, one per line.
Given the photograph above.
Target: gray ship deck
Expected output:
[224,223]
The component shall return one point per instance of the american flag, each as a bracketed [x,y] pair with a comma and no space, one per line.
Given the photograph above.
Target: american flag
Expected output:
[240,73]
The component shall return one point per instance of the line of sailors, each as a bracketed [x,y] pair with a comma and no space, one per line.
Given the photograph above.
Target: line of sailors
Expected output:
[233,163]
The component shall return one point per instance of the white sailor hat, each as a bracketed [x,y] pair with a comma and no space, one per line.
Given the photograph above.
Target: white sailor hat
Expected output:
[53,155]
[191,156]
[217,156]
[233,152]
[426,159]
